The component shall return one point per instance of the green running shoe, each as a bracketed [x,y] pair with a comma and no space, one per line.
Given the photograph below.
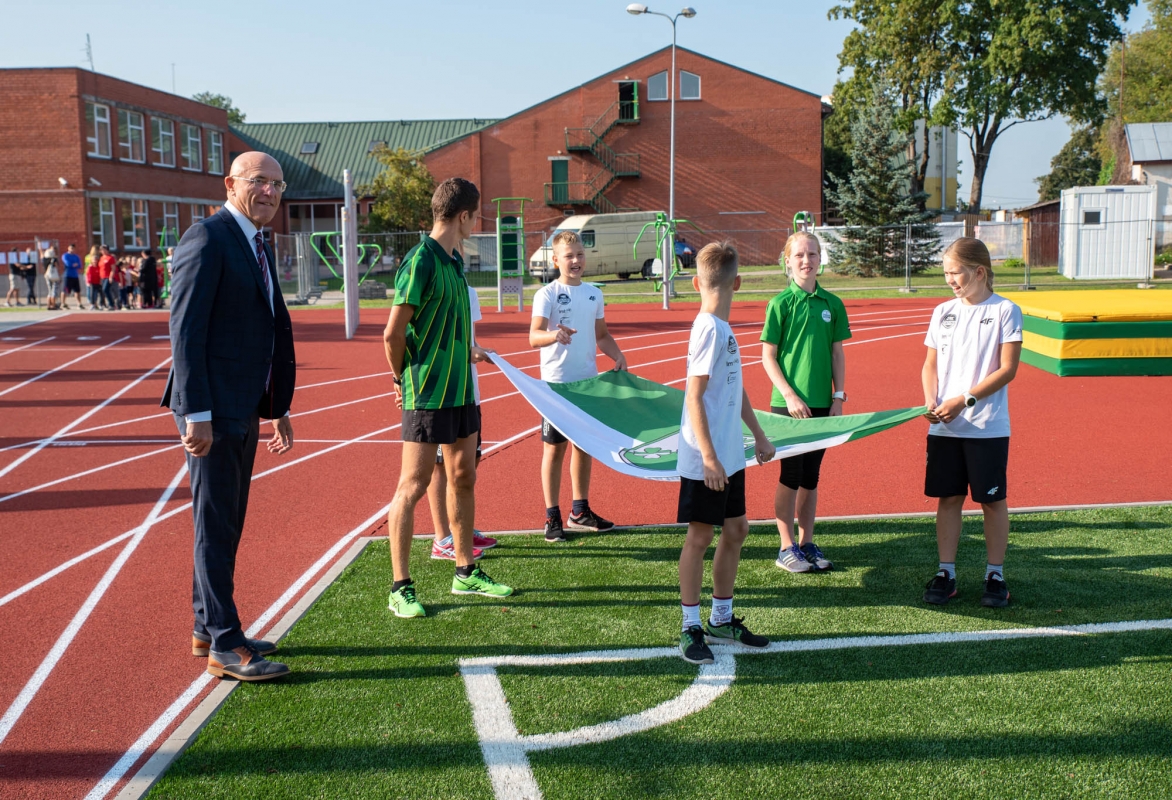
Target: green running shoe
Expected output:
[479,583]
[404,604]
[733,632]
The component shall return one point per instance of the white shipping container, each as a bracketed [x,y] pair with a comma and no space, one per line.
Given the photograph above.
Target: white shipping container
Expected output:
[1107,232]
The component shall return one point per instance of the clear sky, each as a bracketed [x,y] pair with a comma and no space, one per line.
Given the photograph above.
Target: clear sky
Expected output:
[364,60]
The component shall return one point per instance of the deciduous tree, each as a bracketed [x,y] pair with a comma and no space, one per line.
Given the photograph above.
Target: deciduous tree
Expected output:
[402,192]
[235,115]
[1077,164]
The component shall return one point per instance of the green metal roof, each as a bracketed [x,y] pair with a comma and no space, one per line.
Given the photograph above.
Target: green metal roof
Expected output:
[342,145]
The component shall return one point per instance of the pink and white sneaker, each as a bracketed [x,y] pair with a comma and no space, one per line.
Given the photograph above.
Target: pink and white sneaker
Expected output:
[483,542]
[445,551]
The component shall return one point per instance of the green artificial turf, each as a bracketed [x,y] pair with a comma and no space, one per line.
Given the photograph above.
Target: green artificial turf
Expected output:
[376,706]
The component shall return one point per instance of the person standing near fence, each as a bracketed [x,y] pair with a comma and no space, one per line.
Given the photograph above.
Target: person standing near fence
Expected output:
[93,279]
[802,354]
[28,271]
[148,279]
[974,348]
[71,265]
[14,277]
[106,266]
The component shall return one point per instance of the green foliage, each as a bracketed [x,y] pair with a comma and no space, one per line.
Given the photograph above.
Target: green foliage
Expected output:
[875,201]
[1077,164]
[402,192]
[235,115]
[1164,258]
[1012,263]
[1146,68]
[1105,172]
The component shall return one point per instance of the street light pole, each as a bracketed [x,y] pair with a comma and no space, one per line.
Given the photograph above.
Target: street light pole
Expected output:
[669,245]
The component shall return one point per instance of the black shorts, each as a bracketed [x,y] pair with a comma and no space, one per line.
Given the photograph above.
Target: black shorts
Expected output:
[958,466]
[72,285]
[439,451]
[801,472]
[550,434]
[440,425]
[698,503]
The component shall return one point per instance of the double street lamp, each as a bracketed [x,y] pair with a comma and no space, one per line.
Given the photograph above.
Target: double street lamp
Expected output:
[669,245]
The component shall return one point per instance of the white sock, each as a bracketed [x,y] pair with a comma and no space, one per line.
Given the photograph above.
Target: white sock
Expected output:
[949,567]
[991,568]
[691,616]
[721,611]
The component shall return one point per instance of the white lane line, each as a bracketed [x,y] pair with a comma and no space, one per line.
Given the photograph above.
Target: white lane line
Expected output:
[35,442]
[14,712]
[86,355]
[43,442]
[15,593]
[26,346]
[75,476]
[505,750]
[883,338]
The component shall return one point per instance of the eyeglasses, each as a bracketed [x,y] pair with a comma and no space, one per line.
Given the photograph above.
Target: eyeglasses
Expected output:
[260,183]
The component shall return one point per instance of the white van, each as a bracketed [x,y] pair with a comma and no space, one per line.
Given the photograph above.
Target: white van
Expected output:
[609,241]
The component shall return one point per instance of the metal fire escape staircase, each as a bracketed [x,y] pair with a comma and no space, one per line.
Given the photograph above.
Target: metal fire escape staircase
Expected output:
[614,166]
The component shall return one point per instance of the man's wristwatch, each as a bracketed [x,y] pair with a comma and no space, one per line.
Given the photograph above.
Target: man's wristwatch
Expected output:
[839,396]
[969,399]
[398,381]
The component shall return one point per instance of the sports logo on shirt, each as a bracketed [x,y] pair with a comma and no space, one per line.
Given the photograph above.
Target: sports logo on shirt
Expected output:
[826,315]
[987,320]
[564,299]
[948,321]
[732,344]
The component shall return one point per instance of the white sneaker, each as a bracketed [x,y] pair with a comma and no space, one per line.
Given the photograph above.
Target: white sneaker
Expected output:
[793,560]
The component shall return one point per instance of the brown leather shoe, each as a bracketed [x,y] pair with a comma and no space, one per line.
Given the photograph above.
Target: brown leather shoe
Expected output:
[244,664]
[200,647]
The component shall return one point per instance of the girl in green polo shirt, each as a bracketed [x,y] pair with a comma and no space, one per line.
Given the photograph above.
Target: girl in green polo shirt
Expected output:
[805,326]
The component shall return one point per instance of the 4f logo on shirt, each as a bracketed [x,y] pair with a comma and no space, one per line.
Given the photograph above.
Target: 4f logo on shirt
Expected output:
[732,344]
[986,320]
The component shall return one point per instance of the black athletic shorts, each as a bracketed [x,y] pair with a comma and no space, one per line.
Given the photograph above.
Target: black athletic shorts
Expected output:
[959,466]
[440,425]
[73,285]
[550,434]
[439,451]
[801,472]
[698,503]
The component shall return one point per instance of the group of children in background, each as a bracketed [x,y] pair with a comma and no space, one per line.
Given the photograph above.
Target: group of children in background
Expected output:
[973,350]
[112,282]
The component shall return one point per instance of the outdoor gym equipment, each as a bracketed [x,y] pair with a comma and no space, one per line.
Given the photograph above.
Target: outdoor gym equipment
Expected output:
[510,250]
[664,228]
[328,239]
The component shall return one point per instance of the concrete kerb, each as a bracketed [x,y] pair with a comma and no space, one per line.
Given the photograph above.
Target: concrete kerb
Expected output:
[185,734]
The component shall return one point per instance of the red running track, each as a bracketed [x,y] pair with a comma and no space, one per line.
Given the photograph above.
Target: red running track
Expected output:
[86,454]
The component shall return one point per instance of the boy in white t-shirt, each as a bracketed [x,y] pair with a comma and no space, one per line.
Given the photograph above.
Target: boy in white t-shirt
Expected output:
[974,347]
[568,324]
[711,460]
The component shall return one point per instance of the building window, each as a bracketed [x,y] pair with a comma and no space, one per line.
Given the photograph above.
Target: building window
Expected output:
[131,137]
[163,141]
[1092,218]
[97,123]
[657,86]
[170,231]
[689,86]
[198,212]
[134,224]
[191,147]
[102,220]
[215,152]
[308,148]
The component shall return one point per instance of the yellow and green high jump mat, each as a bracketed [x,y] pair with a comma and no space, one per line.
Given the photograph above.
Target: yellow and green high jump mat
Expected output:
[1098,332]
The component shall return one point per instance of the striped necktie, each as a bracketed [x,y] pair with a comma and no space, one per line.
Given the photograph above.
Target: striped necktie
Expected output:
[263,261]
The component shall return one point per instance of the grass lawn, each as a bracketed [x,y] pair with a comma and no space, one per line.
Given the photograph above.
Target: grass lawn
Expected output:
[376,706]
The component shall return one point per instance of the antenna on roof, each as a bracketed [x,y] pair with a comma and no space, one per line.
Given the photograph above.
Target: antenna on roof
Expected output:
[89,52]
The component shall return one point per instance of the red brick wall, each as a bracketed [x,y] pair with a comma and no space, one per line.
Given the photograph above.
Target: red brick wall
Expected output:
[750,144]
[43,138]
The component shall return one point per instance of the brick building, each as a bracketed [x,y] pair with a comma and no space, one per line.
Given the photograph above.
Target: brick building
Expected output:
[87,158]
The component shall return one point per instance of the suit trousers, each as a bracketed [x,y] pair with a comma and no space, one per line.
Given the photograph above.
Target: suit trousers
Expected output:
[219,492]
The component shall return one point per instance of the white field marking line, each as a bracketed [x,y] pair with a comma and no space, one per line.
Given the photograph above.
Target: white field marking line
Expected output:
[883,338]
[144,742]
[505,750]
[15,593]
[26,346]
[43,442]
[63,366]
[35,442]
[14,495]
[58,650]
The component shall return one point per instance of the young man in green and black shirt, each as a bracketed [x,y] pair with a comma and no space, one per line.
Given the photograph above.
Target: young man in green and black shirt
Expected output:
[429,347]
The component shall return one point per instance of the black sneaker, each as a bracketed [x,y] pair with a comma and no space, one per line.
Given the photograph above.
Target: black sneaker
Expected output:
[733,632]
[590,521]
[940,589]
[996,592]
[553,530]
[693,648]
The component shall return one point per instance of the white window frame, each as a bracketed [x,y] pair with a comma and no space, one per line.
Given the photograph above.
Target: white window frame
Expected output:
[126,146]
[99,129]
[681,95]
[170,223]
[166,133]
[198,212]
[215,153]
[187,141]
[651,87]
[106,220]
[1100,225]
[139,222]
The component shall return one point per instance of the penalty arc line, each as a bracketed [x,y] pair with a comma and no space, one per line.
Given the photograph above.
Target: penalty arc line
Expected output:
[34,684]
[505,750]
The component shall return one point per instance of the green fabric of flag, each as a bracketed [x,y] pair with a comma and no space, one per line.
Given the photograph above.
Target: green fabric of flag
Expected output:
[632,424]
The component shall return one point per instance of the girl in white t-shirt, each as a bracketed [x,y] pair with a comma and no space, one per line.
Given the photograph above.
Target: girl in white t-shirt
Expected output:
[974,346]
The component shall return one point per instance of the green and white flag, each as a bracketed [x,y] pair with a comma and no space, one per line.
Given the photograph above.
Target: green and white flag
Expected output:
[632,425]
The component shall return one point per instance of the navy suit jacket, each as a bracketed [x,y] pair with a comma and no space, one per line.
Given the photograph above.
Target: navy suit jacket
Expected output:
[224,338]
